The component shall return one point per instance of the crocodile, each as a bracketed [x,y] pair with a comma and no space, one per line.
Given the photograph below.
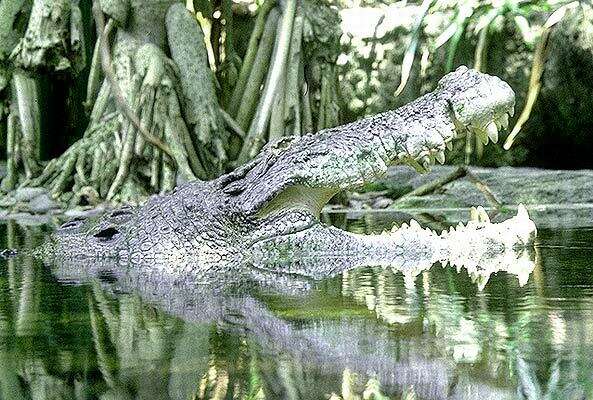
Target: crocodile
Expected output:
[230,299]
[269,208]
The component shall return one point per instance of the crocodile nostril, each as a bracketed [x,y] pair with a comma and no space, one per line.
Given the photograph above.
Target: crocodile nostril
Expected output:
[106,234]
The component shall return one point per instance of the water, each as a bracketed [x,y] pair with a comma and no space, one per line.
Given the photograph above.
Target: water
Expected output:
[368,332]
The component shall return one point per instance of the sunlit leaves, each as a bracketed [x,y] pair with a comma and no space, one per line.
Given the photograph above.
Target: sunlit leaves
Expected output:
[537,69]
[410,53]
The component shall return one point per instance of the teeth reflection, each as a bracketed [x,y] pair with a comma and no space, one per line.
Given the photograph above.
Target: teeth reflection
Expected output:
[415,225]
[480,246]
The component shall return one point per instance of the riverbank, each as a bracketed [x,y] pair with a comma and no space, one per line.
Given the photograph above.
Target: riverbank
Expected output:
[555,198]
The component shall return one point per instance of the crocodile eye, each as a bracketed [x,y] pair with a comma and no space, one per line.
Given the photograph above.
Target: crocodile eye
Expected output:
[106,234]
[118,213]
[123,211]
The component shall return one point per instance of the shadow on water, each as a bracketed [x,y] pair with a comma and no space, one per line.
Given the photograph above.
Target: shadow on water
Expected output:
[515,330]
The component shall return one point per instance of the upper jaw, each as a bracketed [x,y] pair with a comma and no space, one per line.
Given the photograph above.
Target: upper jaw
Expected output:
[469,112]
[483,110]
[486,129]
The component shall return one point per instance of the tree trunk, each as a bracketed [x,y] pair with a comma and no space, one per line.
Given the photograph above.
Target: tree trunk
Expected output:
[202,112]
[155,120]
[51,42]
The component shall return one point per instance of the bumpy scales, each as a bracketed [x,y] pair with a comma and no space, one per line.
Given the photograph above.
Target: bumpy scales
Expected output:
[269,208]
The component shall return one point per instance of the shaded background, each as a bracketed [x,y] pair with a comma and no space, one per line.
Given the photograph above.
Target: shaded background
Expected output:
[376,35]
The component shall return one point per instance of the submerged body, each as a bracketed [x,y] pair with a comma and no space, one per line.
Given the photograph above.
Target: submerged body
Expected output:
[269,208]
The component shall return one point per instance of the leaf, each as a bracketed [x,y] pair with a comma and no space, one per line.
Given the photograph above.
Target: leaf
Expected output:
[465,12]
[410,53]
[482,29]
[445,35]
[485,19]
[524,28]
[204,7]
[559,14]
[537,69]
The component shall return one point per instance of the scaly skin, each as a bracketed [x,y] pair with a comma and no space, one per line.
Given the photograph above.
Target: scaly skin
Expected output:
[271,205]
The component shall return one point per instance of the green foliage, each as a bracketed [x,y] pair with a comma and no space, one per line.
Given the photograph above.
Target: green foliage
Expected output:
[188,102]
[404,58]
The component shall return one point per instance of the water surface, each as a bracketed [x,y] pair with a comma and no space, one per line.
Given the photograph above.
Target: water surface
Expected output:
[367,332]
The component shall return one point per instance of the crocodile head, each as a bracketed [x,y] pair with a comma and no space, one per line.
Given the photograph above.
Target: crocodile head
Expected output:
[481,104]
[275,200]
[464,102]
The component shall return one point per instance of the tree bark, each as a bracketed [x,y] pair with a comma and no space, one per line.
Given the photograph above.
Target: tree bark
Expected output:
[53,37]
[153,94]
[255,136]
[186,43]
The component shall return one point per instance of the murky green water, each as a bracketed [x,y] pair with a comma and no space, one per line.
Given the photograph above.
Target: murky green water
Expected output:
[64,334]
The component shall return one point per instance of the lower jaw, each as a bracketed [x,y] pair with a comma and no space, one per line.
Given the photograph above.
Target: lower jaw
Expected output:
[322,251]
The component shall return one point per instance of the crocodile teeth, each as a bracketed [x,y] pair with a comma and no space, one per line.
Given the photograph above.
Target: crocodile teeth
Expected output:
[492,132]
[440,156]
[482,215]
[522,212]
[512,111]
[449,145]
[473,214]
[479,215]
[504,121]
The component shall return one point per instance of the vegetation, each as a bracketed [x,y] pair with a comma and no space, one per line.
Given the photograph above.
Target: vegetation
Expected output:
[486,18]
[114,100]
[187,103]
[398,58]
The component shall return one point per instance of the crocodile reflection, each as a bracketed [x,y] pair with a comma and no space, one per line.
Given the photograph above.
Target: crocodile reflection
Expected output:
[228,298]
